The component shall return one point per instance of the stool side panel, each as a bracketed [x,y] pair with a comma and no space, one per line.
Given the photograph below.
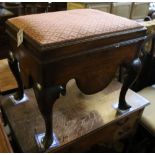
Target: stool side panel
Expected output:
[92,72]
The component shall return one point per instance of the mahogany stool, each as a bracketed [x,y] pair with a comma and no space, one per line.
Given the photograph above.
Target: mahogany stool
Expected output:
[86,45]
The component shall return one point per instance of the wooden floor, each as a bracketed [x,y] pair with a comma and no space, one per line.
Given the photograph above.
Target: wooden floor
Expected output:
[7,80]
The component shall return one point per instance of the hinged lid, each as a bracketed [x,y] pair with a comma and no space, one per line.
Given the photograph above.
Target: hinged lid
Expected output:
[49,31]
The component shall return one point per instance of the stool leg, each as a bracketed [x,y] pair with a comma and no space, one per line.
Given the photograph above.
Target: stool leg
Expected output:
[46,98]
[14,66]
[133,72]
[120,73]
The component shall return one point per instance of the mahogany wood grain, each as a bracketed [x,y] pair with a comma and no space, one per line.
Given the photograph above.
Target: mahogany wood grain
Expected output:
[5,146]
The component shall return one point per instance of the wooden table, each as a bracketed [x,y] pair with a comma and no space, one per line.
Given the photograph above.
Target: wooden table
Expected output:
[79,120]
[86,48]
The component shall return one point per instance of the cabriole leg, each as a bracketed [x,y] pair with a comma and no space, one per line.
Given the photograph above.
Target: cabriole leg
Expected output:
[46,98]
[14,66]
[133,72]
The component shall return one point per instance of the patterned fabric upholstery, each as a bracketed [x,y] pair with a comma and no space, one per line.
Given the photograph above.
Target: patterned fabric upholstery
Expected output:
[64,26]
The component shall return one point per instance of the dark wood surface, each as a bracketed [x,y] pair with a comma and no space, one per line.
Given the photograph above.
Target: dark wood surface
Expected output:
[79,120]
[16,8]
[24,8]
[5,146]
[147,75]
[4,15]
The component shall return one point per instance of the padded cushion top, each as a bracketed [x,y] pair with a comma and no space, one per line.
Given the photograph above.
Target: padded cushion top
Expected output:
[64,26]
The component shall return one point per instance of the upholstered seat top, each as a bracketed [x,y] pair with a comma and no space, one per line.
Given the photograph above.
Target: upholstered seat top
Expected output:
[64,26]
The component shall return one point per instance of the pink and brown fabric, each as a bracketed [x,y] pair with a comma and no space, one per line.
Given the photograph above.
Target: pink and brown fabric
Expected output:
[67,26]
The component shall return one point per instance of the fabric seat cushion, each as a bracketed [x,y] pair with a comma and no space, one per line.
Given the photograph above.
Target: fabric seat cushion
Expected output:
[64,26]
[148,117]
